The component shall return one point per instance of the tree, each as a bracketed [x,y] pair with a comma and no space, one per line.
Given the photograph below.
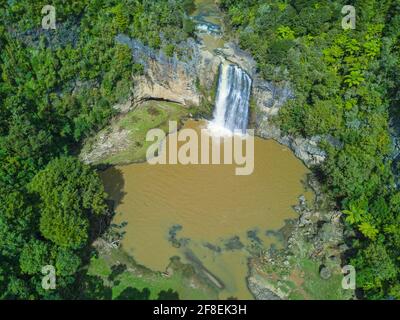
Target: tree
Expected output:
[355,78]
[35,255]
[168,295]
[70,194]
[356,211]
[374,267]
[67,262]
[285,32]
[368,230]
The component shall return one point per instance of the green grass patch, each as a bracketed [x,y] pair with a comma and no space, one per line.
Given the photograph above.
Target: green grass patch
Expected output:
[149,115]
[316,288]
[129,274]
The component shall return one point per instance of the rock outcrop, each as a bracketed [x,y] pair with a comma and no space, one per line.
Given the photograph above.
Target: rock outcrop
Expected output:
[306,150]
[260,289]
[317,236]
[172,78]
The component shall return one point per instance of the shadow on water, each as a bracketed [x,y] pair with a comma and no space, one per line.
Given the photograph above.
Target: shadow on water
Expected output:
[114,185]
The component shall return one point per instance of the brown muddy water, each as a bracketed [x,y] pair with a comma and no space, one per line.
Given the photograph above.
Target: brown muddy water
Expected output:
[205,214]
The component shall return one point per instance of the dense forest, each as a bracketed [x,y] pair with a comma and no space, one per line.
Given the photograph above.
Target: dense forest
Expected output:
[56,88]
[346,84]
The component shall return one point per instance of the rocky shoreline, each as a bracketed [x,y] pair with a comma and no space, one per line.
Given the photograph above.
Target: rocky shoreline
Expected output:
[316,237]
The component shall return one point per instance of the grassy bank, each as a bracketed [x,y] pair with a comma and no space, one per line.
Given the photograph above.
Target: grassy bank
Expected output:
[129,280]
[124,140]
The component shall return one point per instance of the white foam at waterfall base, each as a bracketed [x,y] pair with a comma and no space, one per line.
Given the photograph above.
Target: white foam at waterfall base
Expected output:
[217,130]
[232,102]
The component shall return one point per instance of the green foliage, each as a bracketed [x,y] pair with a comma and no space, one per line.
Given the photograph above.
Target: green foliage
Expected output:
[168,295]
[355,213]
[368,230]
[169,50]
[285,32]
[67,262]
[355,78]
[70,193]
[374,268]
[322,117]
[34,256]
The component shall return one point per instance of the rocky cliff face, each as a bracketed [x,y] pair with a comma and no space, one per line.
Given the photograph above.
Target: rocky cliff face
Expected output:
[178,78]
[306,150]
[172,78]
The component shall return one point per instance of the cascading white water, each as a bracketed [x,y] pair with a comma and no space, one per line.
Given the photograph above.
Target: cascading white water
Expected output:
[232,101]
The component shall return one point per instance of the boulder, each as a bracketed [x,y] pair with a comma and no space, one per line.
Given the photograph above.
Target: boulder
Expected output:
[325,273]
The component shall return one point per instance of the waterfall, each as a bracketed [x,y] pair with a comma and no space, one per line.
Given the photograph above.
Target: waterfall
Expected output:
[232,101]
